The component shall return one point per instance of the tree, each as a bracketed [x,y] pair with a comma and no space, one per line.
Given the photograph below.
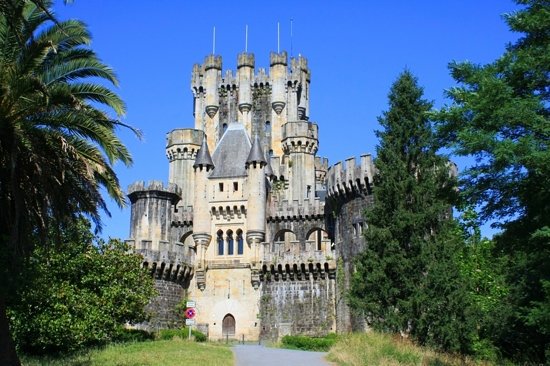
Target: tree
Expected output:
[408,277]
[500,115]
[82,291]
[57,140]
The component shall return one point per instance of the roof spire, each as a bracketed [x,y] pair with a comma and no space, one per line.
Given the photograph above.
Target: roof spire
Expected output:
[203,156]
[256,154]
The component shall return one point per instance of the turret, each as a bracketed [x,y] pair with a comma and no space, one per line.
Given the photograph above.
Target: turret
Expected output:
[245,74]
[212,78]
[201,215]
[182,146]
[151,215]
[300,143]
[256,212]
[278,62]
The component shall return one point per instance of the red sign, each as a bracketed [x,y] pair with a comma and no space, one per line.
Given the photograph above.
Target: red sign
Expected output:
[190,313]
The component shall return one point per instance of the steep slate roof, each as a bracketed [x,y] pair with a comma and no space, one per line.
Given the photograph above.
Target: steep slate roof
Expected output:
[231,153]
[256,153]
[203,156]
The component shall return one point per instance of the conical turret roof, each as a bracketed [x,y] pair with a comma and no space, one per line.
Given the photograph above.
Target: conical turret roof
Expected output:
[256,154]
[203,156]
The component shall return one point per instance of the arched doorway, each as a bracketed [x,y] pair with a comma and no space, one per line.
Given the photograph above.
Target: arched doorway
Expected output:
[228,326]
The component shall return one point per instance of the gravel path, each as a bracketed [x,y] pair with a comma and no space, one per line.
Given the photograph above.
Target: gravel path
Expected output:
[259,355]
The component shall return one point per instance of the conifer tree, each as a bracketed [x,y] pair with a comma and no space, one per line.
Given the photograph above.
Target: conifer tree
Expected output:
[408,276]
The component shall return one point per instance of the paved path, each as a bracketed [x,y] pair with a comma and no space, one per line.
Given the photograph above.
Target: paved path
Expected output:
[259,355]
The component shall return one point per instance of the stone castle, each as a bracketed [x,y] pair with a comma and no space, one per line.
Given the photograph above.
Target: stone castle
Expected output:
[253,226]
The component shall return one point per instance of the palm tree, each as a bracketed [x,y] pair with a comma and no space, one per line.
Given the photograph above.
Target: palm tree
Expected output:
[58,142]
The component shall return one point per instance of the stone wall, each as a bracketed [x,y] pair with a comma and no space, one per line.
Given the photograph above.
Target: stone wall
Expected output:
[163,307]
[297,307]
[346,224]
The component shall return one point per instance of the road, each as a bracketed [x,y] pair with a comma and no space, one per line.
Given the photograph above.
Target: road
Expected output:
[253,355]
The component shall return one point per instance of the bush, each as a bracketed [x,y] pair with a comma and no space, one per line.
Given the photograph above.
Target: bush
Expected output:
[81,292]
[125,335]
[309,343]
[183,333]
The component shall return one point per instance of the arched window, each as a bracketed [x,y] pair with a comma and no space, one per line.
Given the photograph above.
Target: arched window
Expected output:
[224,127]
[230,246]
[220,242]
[240,243]
[267,126]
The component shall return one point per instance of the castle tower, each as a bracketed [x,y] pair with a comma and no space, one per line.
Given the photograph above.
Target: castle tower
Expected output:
[245,75]
[278,78]
[255,233]
[300,143]
[212,78]
[182,146]
[201,216]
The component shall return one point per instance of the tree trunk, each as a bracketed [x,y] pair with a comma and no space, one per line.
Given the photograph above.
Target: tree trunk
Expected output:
[8,356]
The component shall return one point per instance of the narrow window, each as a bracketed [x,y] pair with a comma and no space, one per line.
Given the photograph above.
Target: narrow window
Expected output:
[220,242]
[240,242]
[229,242]
[235,186]
[224,127]
[221,187]
[267,126]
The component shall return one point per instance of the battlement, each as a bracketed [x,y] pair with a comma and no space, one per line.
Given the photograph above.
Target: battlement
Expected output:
[212,62]
[183,216]
[153,186]
[172,262]
[229,81]
[301,129]
[321,163]
[285,210]
[245,59]
[278,58]
[299,64]
[347,177]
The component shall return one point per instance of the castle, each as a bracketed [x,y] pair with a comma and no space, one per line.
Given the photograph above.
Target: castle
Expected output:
[253,226]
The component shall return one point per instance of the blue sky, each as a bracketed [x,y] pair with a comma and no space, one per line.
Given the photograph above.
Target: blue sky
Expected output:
[355,49]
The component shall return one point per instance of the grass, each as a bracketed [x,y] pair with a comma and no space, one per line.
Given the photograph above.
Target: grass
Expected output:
[153,353]
[384,350]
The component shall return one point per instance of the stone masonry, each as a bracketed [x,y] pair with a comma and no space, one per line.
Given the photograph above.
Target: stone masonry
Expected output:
[253,226]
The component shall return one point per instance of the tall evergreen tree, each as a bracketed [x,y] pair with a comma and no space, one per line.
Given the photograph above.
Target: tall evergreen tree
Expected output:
[501,116]
[407,278]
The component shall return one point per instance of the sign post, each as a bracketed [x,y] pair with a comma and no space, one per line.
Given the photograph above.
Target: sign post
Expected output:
[190,313]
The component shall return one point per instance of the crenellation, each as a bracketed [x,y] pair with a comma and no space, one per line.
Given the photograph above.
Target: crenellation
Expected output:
[255,231]
[348,177]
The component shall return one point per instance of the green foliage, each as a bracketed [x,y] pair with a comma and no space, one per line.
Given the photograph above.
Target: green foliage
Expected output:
[183,333]
[306,343]
[408,279]
[127,335]
[500,115]
[79,292]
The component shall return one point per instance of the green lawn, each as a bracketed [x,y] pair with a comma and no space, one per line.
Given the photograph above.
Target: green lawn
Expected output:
[166,353]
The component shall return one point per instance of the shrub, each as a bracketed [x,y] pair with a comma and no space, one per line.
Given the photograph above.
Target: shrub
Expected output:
[125,335]
[183,333]
[309,343]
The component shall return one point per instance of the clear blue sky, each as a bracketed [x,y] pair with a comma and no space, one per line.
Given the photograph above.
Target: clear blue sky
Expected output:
[355,50]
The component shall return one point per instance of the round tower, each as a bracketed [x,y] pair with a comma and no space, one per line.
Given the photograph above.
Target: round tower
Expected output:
[151,214]
[245,75]
[256,213]
[201,214]
[182,146]
[212,76]
[300,143]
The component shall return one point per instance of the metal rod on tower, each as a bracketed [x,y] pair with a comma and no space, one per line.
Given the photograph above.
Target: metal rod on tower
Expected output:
[246,39]
[291,36]
[278,39]
[214,41]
